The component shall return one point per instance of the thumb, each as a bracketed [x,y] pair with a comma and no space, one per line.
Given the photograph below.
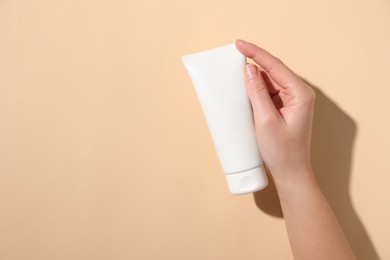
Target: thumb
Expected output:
[264,109]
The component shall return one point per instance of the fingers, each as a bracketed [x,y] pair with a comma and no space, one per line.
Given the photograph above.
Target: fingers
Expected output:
[279,72]
[273,87]
[263,107]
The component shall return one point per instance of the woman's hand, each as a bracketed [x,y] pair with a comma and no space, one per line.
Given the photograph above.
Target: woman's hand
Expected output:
[283,111]
[283,107]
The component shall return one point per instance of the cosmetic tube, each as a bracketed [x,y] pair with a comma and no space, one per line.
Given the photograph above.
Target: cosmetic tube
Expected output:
[217,76]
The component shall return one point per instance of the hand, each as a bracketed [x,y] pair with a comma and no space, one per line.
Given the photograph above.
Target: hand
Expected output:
[283,107]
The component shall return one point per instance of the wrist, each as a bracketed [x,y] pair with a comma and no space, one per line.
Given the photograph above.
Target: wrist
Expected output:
[295,178]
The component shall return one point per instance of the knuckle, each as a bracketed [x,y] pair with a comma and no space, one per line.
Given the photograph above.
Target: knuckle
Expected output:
[309,96]
[268,120]
[257,88]
[276,62]
[313,95]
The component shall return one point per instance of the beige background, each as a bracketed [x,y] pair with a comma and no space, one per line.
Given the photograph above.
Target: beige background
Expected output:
[104,152]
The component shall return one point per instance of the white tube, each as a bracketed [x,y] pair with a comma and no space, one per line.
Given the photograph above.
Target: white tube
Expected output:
[217,76]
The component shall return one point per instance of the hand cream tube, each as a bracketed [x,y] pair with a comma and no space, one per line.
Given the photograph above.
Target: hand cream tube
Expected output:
[217,76]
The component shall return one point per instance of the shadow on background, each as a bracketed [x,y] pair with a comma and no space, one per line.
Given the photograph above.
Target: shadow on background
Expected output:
[331,154]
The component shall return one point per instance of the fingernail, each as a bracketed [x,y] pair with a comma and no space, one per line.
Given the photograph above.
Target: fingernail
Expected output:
[251,71]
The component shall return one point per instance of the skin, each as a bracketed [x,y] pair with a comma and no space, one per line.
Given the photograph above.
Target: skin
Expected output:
[283,106]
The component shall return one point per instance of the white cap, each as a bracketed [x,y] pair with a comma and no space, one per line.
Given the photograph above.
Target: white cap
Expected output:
[248,181]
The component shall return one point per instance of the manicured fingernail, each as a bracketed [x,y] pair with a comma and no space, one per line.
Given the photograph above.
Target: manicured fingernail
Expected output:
[251,71]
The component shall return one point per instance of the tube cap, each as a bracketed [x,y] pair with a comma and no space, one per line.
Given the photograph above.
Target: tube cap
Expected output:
[248,181]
